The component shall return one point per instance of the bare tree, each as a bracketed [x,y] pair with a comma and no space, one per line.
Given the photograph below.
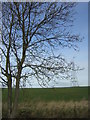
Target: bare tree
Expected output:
[30,34]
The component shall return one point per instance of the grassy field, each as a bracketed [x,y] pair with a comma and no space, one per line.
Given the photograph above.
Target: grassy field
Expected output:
[57,102]
[50,94]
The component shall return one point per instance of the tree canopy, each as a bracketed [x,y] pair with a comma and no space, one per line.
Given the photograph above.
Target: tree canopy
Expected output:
[30,34]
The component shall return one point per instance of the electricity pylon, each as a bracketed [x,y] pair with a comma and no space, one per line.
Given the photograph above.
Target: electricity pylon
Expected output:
[74,80]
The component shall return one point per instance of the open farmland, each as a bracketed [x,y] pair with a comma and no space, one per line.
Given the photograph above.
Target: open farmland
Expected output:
[48,102]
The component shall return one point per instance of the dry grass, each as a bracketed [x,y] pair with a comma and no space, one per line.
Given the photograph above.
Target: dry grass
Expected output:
[60,109]
[50,105]
[53,109]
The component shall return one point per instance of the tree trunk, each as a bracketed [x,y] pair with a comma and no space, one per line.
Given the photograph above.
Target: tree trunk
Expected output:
[15,104]
[9,96]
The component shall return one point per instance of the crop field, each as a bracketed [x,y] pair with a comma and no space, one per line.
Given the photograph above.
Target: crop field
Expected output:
[50,102]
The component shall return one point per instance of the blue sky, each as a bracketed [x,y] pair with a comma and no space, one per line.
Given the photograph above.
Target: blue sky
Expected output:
[81,26]
[81,57]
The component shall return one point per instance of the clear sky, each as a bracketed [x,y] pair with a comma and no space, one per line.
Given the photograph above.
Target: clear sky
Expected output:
[81,57]
[81,26]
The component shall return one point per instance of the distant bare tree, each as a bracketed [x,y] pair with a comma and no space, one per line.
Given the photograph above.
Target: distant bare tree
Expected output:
[30,34]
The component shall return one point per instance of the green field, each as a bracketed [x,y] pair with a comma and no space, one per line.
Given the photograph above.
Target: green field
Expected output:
[50,94]
[50,102]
